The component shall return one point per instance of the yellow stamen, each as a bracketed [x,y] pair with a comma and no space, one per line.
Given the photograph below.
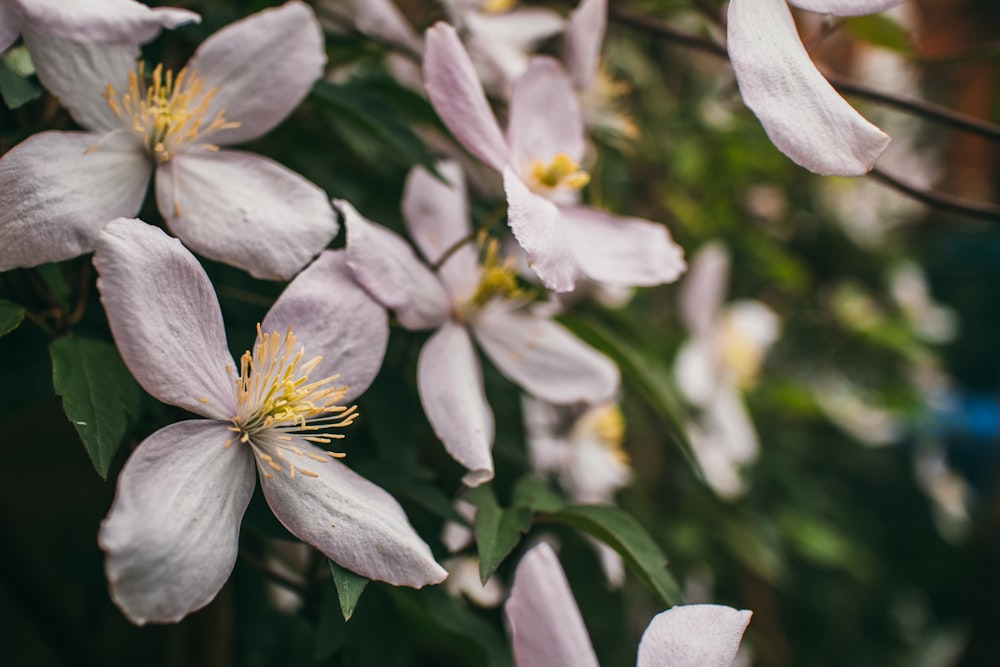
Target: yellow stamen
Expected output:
[498,278]
[608,423]
[496,6]
[561,172]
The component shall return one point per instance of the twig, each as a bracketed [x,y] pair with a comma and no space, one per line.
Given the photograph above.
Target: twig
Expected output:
[938,200]
[487,224]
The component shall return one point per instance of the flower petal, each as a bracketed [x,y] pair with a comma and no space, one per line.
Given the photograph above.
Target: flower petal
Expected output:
[437,217]
[544,358]
[380,19]
[165,318]
[120,21]
[543,422]
[545,116]
[458,97]
[262,66]
[10,24]
[245,210]
[172,535]
[535,223]
[333,316]
[55,198]
[79,73]
[546,627]
[693,635]
[450,382]
[387,267]
[845,7]
[704,289]
[801,112]
[353,522]
[581,49]
[621,251]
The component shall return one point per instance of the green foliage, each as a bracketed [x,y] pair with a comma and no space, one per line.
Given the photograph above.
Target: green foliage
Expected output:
[350,586]
[880,30]
[15,87]
[497,530]
[11,316]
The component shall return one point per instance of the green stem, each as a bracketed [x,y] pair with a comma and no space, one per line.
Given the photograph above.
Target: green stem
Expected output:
[486,225]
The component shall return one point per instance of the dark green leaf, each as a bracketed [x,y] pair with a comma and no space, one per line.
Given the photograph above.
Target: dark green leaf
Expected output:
[15,90]
[100,397]
[535,494]
[11,316]
[619,530]
[497,530]
[447,613]
[55,282]
[880,30]
[349,588]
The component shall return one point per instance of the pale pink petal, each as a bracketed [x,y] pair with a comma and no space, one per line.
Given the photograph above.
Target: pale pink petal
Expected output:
[704,288]
[245,210]
[581,49]
[535,223]
[380,19]
[621,251]
[521,28]
[172,534]
[457,96]
[333,317]
[437,217]
[545,116]
[729,420]
[544,358]
[165,318]
[845,7]
[121,21]
[262,67]
[55,198]
[451,390]
[79,73]
[546,627]
[696,370]
[542,425]
[10,23]
[387,267]
[694,635]
[801,112]
[721,473]
[353,522]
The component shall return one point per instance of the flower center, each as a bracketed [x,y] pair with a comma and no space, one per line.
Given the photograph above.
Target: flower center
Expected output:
[171,113]
[276,404]
[498,278]
[496,6]
[561,172]
[741,356]
[608,423]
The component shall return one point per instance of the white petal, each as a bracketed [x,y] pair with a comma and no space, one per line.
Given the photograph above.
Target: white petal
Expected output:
[262,66]
[732,425]
[458,98]
[353,522]
[55,198]
[845,7]
[545,623]
[535,223]
[10,23]
[383,20]
[244,210]
[173,532]
[78,74]
[518,29]
[696,370]
[437,217]
[721,473]
[121,21]
[544,358]
[801,112]
[704,288]
[582,41]
[753,322]
[451,390]
[694,635]
[542,422]
[165,318]
[389,269]
[628,252]
[545,116]
[334,317]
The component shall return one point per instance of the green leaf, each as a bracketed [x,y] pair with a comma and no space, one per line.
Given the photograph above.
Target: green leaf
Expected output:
[11,316]
[100,397]
[447,613]
[880,30]
[349,588]
[15,90]
[55,282]
[620,530]
[536,494]
[497,530]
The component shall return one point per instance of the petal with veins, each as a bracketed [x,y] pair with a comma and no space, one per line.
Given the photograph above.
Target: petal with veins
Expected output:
[801,112]
[119,21]
[353,522]
[244,210]
[535,223]
[451,390]
[10,24]
[56,197]
[262,66]
[545,116]
[694,635]
[172,534]
[165,318]
[332,316]
[581,49]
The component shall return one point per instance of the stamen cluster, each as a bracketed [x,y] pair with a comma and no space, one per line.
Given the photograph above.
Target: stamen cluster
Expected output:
[561,172]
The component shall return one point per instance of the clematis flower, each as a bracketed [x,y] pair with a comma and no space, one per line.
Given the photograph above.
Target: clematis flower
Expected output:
[801,112]
[122,21]
[539,160]
[59,188]
[467,300]
[547,630]
[380,19]
[172,534]
[721,359]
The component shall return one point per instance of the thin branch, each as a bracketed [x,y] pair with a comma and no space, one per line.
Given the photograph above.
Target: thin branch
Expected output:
[938,200]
